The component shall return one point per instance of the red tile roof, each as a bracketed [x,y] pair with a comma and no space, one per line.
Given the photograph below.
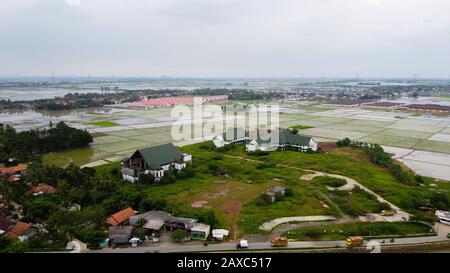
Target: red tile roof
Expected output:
[120,217]
[43,188]
[18,230]
[12,170]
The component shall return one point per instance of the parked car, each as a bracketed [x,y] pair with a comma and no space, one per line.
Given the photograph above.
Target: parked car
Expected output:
[242,244]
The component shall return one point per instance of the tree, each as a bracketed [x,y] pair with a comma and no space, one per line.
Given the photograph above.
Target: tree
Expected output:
[179,235]
[38,210]
[295,131]
[140,233]
[93,238]
[288,192]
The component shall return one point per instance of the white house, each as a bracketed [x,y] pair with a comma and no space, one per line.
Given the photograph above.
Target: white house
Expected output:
[285,141]
[155,161]
[231,136]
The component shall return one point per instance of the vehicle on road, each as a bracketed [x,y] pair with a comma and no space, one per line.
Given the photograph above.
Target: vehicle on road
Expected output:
[242,244]
[355,241]
[443,216]
[279,242]
[388,212]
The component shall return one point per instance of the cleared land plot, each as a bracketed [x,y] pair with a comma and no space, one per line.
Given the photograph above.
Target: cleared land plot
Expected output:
[403,142]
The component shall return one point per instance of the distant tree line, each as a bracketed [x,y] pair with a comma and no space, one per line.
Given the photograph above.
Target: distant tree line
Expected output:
[24,145]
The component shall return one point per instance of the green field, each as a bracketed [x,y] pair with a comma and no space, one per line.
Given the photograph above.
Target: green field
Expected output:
[343,231]
[103,123]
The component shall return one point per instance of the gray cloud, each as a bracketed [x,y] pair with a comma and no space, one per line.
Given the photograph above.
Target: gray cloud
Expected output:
[225,37]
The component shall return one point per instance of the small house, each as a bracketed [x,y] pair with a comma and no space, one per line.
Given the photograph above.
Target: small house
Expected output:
[273,192]
[42,189]
[121,218]
[155,161]
[282,140]
[220,234]
[120,235]
[230,137]
[22,231]
[17,170]
[200,231]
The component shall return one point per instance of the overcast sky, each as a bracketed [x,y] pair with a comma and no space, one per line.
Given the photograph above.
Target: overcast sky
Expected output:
[225,38]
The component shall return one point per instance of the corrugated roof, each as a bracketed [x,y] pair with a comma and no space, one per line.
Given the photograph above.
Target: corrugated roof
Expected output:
[157,156]
[287,138]
[120,217]
[43,188]
[13,169]
[233,134]
[18,230]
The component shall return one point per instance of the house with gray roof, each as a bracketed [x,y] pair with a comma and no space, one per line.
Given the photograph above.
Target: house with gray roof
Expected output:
[282,140]
[154,160]
[231,136]
[159,221]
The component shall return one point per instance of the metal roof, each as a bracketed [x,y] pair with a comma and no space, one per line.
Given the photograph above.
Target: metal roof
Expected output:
[157,156]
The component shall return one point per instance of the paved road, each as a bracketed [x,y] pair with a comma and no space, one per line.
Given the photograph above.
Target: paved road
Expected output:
[172,248]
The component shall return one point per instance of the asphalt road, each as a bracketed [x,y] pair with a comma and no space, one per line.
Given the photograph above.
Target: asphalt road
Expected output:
[172,248]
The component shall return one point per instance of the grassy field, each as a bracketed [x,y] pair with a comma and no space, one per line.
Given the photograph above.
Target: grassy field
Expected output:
[103,123]
[341,232]
[301,127]
[230,183]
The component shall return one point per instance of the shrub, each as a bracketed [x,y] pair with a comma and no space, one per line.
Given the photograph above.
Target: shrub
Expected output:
[331,181]
[179,235]
[288,192]
[146,179]
[263,200]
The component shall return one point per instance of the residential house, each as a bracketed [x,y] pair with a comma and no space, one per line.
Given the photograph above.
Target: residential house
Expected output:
[282,140]
[22,231]
[200,231]
[220,234]
[6,219]
[121,218]
[13,174]
[154,221]
[159,221]
[155,161]
[42,189]
[230,137]
[273,192]
[120,234]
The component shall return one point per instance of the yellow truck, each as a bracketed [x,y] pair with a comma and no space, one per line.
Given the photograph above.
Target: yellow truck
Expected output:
[279,242]
[388,212]
[355,241]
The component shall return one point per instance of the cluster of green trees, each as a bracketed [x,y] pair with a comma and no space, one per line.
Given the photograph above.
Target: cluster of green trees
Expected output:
[27,144]
[378,156]
[99,194]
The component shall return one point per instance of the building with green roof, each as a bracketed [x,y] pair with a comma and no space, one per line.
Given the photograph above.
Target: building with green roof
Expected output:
[154,160]
[282,140]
